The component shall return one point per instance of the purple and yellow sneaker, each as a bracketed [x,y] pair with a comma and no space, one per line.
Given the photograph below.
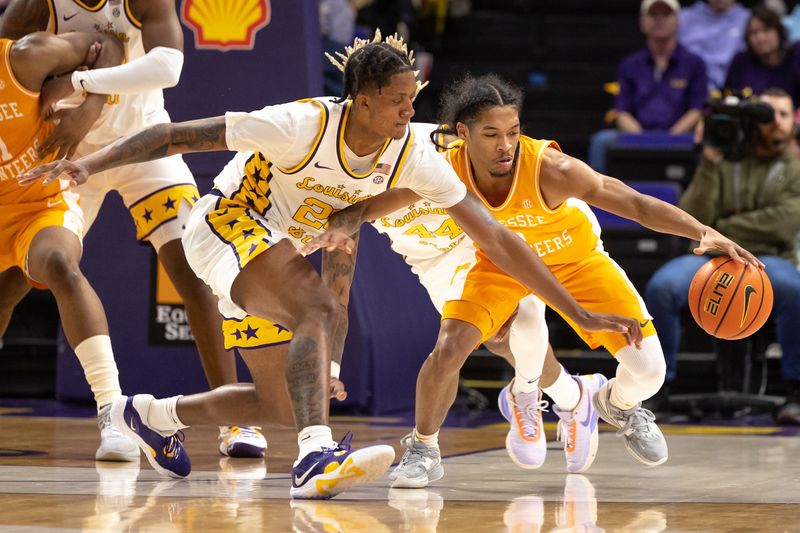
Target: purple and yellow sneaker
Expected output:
[525,443]
[330,471]
[165,453]
[242,441]
[578,428]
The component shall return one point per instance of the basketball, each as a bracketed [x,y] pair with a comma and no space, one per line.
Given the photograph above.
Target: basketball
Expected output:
[730,300]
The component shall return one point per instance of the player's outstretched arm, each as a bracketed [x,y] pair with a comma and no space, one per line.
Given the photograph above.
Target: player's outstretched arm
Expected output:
[154,142]
[517,258]
[345,223]
[565,177]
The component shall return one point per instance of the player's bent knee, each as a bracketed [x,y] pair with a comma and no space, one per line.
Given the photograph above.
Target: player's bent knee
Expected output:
[448,358]
[57,269]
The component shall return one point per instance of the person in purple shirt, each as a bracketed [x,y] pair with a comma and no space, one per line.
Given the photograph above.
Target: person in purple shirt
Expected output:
[714,30]
[661,87]
[768,61]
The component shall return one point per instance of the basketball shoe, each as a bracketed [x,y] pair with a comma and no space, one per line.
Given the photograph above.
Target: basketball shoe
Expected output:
[330,471]
[114,446]
[636,425]
[420,466]
[578,428]
[165,453]
[526,443]
[242,441]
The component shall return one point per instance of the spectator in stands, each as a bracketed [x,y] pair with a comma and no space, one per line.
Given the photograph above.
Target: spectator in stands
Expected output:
[661,87]
[714,30]
[757,203]
[337,20]
[768,61]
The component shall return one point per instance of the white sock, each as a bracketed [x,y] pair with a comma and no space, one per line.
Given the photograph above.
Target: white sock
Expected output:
[97,360]
[313,439]
[565,392]
[528,342]
[431,441]
[640,373]
[160,414]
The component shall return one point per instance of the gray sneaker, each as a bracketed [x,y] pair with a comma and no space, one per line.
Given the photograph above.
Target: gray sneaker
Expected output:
[114,446]
[420,465]
[643,439]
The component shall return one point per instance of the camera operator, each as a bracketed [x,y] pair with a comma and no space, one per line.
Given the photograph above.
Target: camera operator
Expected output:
[756,202]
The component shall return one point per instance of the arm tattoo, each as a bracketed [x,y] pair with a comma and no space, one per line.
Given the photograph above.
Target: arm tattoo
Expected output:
[159,141]
[349,219]
[337,273]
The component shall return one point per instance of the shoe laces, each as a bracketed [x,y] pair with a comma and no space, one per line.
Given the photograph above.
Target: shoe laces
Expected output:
[565,431]
[416,451]
[173,442]
[530,412]
[108,429]
[637,420]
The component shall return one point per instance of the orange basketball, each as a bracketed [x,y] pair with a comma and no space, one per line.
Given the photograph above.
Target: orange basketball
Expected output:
[730,300]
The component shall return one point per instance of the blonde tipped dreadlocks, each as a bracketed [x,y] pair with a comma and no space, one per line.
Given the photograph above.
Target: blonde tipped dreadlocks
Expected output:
[372,62]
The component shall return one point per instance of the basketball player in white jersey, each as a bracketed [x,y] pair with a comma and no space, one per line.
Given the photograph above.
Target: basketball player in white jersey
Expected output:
[297,164]
[158,194]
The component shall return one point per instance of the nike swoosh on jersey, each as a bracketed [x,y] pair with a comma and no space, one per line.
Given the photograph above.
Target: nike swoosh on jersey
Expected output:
[302,479]
[643,324]
[66,18]
[51,203]
[749,291]
[317,165]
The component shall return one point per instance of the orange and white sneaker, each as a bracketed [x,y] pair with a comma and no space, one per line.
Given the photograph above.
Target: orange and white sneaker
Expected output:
[578,428]
[526,443]
[242,441]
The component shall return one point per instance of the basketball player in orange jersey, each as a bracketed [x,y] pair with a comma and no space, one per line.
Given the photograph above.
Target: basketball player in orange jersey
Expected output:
[296,164]
[41,227]
[158,194]
[541,194]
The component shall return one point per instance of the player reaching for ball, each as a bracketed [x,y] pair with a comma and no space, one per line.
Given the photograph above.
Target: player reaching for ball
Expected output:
[756,201]
[541,194]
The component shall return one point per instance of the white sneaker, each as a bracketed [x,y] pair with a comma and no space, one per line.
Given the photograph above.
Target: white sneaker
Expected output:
[114,446]
[242,441]
[578,428]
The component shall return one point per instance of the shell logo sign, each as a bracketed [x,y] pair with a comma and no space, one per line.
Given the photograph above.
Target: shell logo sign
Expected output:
[225,24]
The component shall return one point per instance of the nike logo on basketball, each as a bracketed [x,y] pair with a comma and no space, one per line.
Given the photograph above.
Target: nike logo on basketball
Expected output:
[749,291]
[302,479]
[66,18]
[317,165]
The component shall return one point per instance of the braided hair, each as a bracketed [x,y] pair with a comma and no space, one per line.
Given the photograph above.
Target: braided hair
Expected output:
[372,65]
[465,100]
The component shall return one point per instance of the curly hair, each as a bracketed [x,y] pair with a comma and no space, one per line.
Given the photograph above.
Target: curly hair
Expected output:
[465,100]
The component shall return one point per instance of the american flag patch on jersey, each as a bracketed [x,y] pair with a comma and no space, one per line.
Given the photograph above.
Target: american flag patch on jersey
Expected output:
[383,168]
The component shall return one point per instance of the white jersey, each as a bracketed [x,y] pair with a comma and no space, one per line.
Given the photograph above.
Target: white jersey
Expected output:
[127,113]
[429,240]
[295,170]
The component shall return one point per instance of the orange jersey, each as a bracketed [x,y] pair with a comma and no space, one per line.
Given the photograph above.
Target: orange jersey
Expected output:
[566,234]
[22,130]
